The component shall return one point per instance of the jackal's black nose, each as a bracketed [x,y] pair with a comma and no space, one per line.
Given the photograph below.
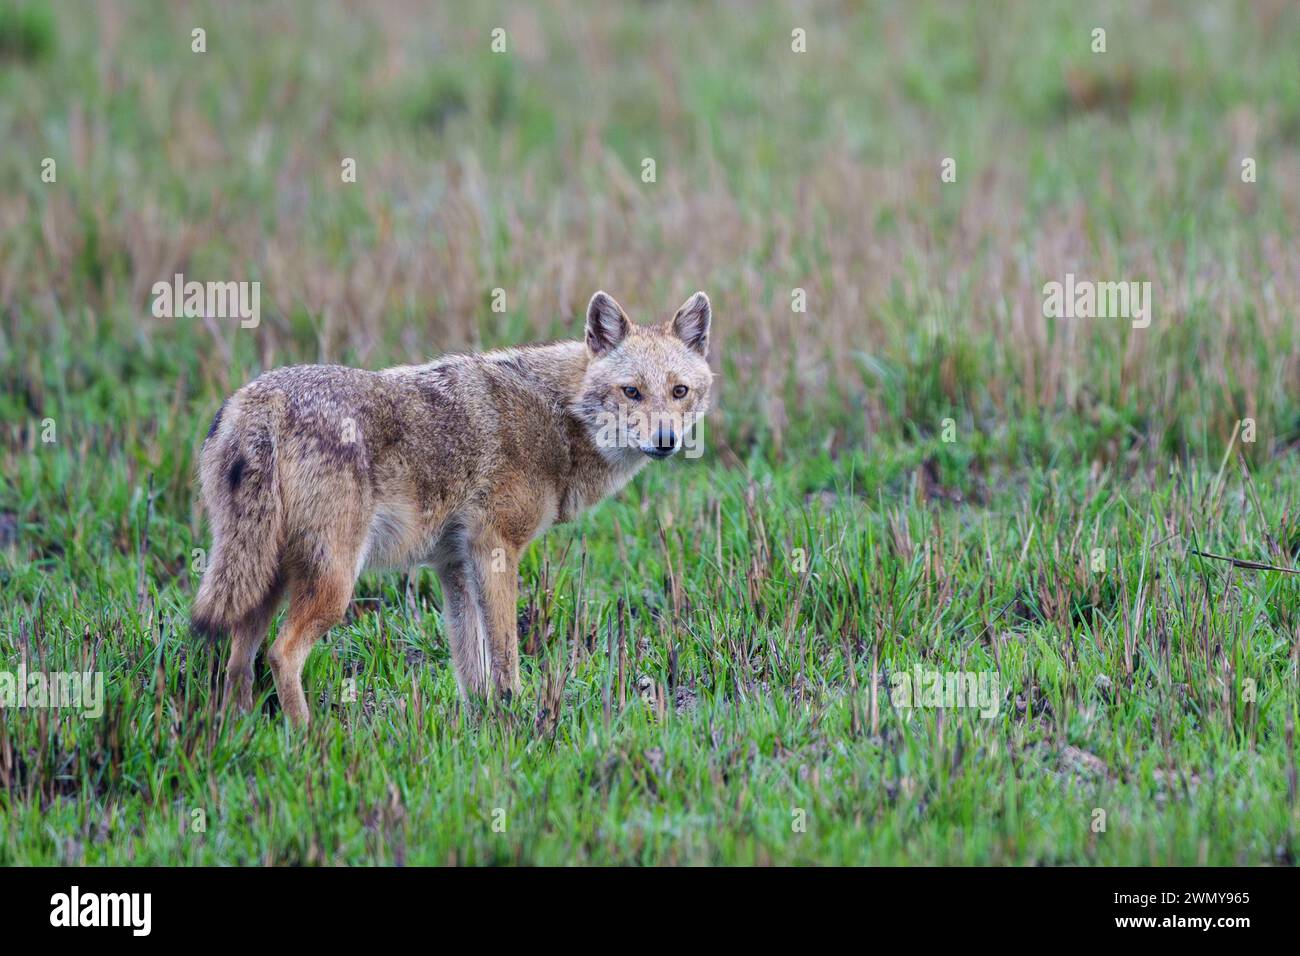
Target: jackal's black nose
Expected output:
[665,444]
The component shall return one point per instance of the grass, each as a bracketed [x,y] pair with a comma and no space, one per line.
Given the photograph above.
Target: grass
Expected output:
[26,32]
[765,597]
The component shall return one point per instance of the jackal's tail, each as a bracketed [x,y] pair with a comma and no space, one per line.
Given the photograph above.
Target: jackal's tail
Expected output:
[237,472]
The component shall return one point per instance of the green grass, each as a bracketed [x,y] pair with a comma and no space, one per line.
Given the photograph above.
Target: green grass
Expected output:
[26,31]
[829,539]
[1143,666]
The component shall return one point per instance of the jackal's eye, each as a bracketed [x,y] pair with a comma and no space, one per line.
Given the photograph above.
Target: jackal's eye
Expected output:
[632,392]
[679,391]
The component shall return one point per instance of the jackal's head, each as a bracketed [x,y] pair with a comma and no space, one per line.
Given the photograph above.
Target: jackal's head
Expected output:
[646,385]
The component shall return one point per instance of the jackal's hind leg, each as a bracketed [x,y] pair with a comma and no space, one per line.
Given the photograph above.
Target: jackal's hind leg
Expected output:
[317,602]
[245,638]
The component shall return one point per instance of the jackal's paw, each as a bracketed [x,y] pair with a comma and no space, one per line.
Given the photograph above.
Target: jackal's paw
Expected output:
[239,693]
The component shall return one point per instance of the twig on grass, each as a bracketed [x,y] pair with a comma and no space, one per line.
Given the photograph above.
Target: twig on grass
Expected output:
[1243,563]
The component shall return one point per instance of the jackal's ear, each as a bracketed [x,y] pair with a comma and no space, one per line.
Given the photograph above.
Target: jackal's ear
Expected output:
[691,323]
[607,323]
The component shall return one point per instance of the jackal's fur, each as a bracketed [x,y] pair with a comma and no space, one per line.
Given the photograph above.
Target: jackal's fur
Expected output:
[312,473]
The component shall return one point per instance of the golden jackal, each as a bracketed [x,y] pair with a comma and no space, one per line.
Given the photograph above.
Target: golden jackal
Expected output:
[312,473]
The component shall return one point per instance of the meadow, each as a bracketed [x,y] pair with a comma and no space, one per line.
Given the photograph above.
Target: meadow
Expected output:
[910,468]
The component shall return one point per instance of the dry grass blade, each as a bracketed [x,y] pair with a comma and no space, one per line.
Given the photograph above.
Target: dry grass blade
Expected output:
[1243,563]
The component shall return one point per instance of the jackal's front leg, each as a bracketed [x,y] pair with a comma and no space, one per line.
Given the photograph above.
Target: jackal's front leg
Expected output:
[479,587]
[465,632]
[496,565]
